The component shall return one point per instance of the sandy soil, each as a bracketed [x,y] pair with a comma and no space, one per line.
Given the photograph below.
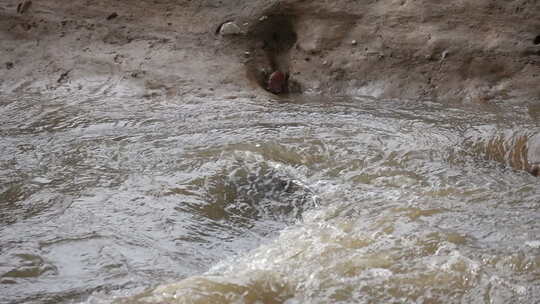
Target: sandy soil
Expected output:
[469,50]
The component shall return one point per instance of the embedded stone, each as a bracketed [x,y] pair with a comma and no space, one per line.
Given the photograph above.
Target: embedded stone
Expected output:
[230,28]
[533,150]
[445,54]
[112,16]
[276,82]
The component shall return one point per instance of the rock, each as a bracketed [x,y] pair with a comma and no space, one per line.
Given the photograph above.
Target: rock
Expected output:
[535,170]
[118,58]
[444,55]
[533,155]
[138,73]
[63,77]
[354,42]
[230,28]
[533,149]
[23,6]
[112,16]
[277,82]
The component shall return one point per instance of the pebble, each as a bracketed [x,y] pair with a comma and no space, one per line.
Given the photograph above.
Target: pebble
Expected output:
[63,77]
[276,82]
[444,54]
[230,28]
[354,42]
[112,16]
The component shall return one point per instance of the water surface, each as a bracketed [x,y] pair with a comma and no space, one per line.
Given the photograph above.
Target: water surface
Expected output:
[313,200]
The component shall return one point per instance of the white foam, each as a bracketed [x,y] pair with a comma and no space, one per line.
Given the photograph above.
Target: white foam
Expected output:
[533,244]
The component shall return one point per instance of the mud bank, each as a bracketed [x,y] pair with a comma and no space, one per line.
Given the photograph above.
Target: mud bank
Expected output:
[468,50]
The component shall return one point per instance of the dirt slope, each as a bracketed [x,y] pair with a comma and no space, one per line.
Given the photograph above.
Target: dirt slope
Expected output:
[471,50]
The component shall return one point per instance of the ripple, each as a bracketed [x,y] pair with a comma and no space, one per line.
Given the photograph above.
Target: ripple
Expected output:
[360,201]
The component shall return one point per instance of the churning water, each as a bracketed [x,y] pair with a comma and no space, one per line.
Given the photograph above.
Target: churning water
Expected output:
[235,201]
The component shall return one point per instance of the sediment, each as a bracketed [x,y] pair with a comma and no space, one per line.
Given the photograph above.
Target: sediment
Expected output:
[458,51]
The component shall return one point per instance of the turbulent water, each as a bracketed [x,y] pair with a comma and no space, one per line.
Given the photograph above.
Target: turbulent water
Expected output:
[125,200]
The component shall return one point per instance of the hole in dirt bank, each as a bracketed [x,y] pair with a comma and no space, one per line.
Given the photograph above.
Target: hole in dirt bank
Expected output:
[536,40]
[272,37]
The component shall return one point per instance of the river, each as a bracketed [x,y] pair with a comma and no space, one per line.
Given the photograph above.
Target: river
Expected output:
[108,199]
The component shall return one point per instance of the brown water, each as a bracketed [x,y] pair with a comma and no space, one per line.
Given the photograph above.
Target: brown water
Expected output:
[112,199]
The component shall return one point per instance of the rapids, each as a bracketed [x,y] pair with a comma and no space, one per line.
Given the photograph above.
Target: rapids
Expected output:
[309,200]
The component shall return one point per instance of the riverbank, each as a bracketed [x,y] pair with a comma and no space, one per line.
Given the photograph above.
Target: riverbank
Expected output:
[470,51]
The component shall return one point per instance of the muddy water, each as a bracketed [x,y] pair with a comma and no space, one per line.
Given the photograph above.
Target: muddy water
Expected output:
[124,200]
